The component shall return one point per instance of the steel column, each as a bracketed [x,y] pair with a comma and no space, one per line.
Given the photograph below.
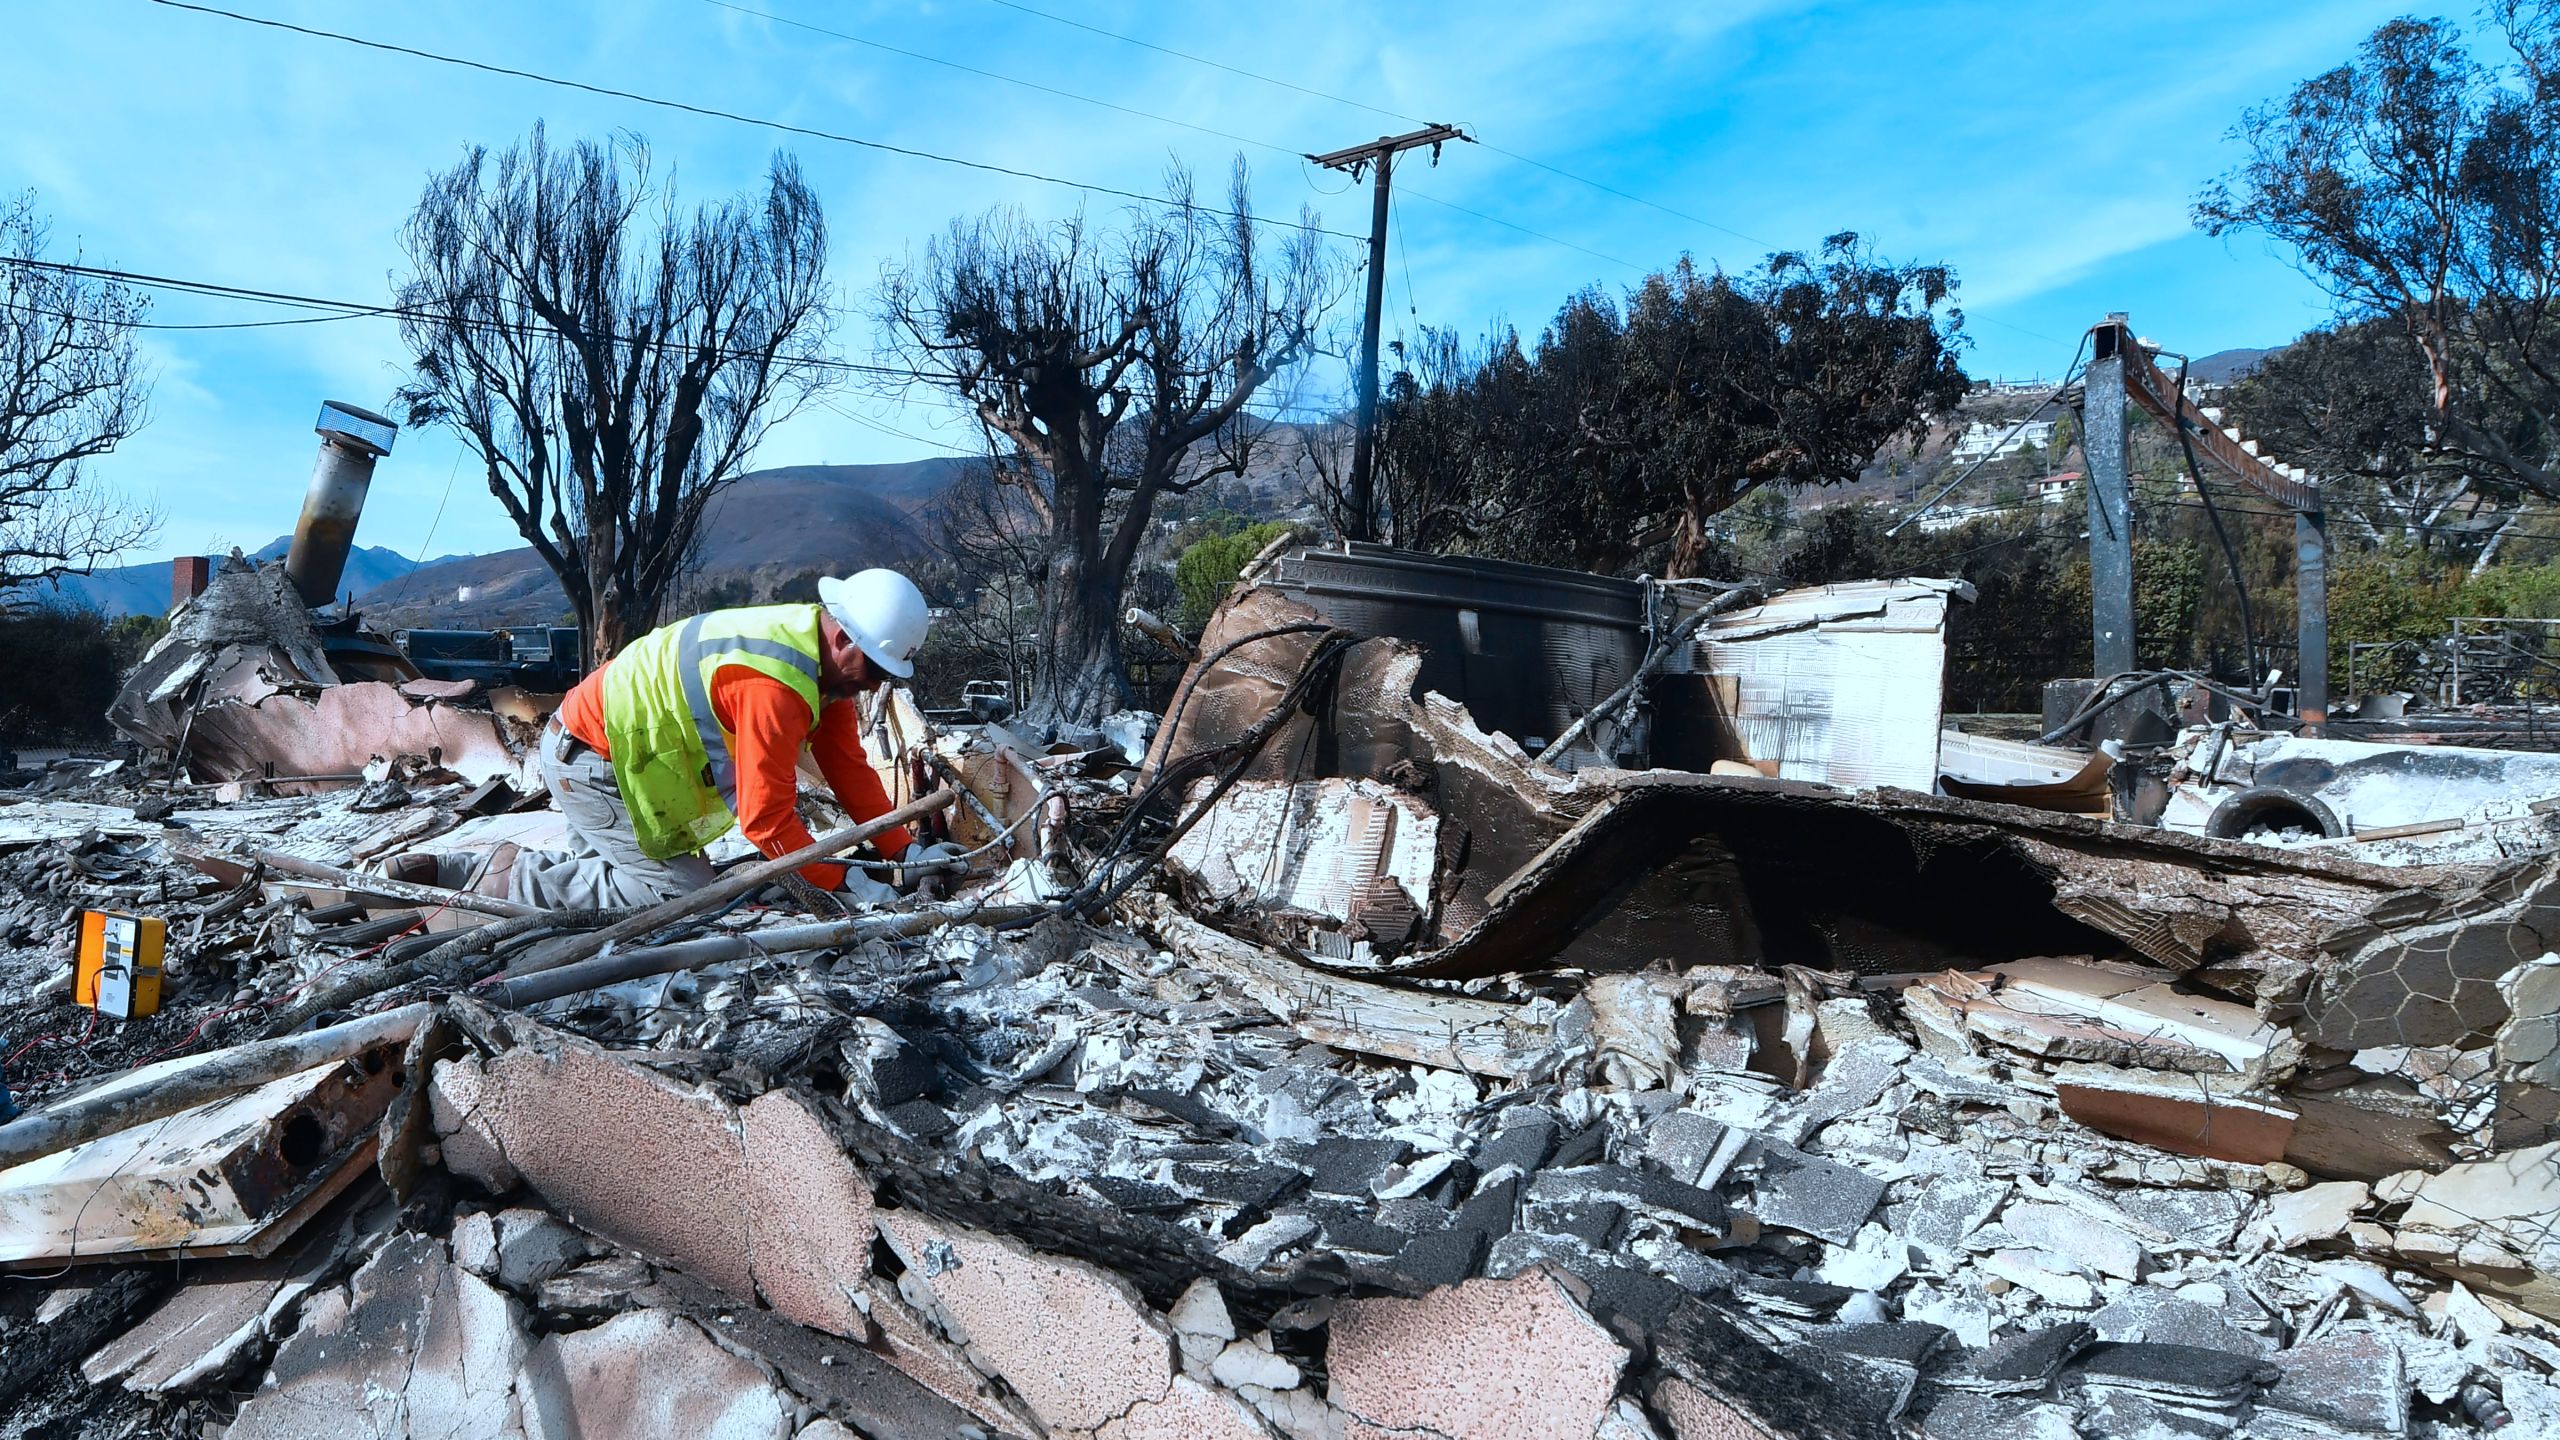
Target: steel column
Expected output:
[2110,505]
[2311,592]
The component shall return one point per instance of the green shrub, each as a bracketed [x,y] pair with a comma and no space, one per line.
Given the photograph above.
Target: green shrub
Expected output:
[63,668]
[1209,567]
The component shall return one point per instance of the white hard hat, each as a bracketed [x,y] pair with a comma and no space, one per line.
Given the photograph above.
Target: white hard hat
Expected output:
[884,613]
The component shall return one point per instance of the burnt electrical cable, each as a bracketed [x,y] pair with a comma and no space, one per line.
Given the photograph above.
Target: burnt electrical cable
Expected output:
[2230,553]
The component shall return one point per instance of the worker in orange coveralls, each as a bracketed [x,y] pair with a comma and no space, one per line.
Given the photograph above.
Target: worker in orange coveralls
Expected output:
[697,728]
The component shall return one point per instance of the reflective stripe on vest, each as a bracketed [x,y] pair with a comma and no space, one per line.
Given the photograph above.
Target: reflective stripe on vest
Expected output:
[691,653]
[671,758]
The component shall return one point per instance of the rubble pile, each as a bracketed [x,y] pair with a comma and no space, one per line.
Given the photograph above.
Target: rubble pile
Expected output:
[1345,1071]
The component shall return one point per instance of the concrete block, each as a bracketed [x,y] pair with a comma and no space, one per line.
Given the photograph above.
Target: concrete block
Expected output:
[646,1372]
[579,1126]
[1695,1413]
[1515,1359]
[1077,1343]
[808,1215]
[1188,1411]
[414,1346]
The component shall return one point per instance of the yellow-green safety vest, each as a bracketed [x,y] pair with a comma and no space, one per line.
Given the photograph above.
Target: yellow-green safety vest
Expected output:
[670,754]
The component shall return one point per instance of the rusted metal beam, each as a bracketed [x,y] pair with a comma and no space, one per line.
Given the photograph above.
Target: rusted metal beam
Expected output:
[2151,388]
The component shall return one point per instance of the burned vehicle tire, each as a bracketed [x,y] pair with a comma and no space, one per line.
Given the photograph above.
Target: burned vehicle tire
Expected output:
[2265,808]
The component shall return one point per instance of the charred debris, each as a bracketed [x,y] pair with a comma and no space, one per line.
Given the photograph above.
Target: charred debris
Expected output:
[1494,1002]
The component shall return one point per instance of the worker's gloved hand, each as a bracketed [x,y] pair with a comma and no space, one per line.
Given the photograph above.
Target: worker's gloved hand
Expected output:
[859,890]
[922,873]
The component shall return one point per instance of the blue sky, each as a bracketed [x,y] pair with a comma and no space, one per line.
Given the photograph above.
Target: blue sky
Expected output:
[2047,153]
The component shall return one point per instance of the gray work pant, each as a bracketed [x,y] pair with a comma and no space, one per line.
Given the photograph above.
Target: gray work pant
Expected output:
[604,867]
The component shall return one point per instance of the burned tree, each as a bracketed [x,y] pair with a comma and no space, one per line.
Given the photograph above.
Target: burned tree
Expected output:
[1107,369]
[612,360]
[1631,425]
[2353,403]
[2416,184]
[70,392]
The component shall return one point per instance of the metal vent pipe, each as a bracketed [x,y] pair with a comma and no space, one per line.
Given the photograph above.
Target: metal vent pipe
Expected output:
[351,439]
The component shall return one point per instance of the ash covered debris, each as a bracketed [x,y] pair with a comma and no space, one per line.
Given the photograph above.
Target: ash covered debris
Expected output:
[245,689]
[1346,1070]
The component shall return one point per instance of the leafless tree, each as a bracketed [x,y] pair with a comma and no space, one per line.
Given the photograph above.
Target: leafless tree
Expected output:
[992,543]
[613,360]
[71,390]
[1107,369]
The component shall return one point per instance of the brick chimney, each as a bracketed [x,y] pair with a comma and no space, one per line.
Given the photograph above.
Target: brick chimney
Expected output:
[188,575]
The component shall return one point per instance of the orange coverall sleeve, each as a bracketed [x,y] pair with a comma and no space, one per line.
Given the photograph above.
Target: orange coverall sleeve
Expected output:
[768,724]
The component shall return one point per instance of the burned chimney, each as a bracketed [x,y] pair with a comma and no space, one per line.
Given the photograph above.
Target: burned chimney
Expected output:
[188,575]
[351,439]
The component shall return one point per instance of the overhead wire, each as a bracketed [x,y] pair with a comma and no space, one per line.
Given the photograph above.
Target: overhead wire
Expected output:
[739,117]
[2230,552]
[996,75]
[2058,391]
[1556,170]
[1212,64]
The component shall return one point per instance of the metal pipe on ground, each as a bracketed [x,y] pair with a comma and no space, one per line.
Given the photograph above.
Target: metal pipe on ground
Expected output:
[593,974]
[729,887]
[137,1099]
[383,885]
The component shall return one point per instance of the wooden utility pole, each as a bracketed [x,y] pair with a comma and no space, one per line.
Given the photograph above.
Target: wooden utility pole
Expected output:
[1378,154]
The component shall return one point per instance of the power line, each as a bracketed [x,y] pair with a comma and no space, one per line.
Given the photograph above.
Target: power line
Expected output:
[1523,229]
[710,112]
[1212,64]
[353,310]
[884,46]
[1556,170]
[166,325]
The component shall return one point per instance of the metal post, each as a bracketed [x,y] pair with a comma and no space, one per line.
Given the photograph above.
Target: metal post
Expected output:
[2311,591]
[1364,448]
[2110,503]
[1362,523]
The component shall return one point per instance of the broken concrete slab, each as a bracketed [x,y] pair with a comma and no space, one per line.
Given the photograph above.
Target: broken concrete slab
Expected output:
[1485,1360]
[2315,1212]
[1188,1411]
[1822,1198]
[536,1107]
[1076,1342]
[2082,1239]
[2022,1363]
[2352,1378]
[2185,1375]
[2148,1313]
[414,1345]
[647,1372]
[2487,1223]
[1998,1417]
[809,1215]
[228,1308]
